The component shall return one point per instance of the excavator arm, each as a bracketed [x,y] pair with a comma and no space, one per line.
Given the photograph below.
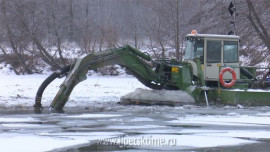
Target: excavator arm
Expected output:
[126,56]
[130,58]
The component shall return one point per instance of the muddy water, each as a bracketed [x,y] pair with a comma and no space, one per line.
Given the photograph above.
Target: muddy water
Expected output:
[187,128]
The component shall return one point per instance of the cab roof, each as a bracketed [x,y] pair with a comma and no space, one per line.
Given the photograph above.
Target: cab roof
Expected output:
[214,36]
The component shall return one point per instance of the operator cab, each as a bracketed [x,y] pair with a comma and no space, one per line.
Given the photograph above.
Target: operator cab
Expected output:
[214,51]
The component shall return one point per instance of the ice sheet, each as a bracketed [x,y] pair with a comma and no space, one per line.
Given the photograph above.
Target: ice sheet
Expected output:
[239,120]
[93,116]
[10,119]
[251,134]
[153,141]
[32,143]
[159,95]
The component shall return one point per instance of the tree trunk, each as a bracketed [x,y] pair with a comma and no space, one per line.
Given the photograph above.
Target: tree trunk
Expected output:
[58,38]
[46,56]
[14,48]
[177,43]
[160,41]
[258,25]
[12,43]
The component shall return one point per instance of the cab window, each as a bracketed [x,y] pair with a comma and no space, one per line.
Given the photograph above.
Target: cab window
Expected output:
[230,53]
[194,49]
[213,51]
[199,50]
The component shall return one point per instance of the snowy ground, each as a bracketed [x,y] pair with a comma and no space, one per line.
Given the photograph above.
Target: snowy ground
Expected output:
[20,91]
[93,121]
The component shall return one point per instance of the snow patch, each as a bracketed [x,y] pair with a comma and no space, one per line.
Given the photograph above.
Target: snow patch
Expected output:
[25,125]
[6,69]
[29,119]
[127,127]
[19,91]
[93,116]
[140,119]
[159,95]
[248,90]
[251,134]
[33,143]
[235,120]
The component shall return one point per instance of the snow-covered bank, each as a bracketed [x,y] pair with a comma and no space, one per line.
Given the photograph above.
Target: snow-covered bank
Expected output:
[20,91]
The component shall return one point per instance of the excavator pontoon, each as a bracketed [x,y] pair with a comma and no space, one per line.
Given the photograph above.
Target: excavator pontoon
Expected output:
[210,71]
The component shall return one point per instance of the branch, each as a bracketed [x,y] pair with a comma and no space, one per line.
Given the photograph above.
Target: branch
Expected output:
[261,31]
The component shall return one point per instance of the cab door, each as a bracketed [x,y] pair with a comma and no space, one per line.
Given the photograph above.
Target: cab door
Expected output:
[213,59]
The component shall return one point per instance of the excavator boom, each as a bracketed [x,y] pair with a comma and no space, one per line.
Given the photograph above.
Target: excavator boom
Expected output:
[155,75]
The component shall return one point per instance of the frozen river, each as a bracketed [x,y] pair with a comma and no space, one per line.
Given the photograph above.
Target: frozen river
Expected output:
[110,127]
[93,121]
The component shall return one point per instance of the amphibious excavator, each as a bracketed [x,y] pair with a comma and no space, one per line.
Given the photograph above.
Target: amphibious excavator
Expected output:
[210,71]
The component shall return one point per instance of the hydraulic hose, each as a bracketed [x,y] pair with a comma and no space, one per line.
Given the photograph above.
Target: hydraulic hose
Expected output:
[46,82]
[246,73]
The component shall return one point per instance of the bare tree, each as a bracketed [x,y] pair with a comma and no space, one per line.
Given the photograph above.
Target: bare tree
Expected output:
[43,30]
[258,25]
[14,42]
[31,21]
[252,27]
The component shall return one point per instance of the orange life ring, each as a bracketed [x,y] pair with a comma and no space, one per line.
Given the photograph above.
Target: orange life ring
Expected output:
[230,84]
